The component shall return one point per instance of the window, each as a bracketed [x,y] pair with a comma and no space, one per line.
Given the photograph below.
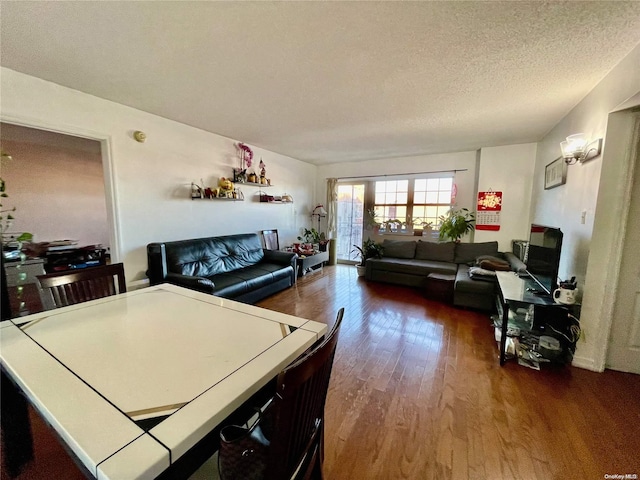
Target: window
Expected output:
[391,199]
[411,202]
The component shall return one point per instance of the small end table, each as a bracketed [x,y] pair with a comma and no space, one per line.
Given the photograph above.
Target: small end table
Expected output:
[440,287]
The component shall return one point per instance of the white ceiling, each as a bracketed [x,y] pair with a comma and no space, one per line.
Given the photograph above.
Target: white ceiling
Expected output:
[328,82]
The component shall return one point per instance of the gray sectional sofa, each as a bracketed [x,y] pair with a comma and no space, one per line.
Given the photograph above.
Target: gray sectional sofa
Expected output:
[410,262]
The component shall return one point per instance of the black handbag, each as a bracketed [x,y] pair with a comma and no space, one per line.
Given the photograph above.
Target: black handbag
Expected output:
[244,449]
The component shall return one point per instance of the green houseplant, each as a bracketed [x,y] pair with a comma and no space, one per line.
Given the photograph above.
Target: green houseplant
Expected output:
[311,236]
[369,249]
[456,224]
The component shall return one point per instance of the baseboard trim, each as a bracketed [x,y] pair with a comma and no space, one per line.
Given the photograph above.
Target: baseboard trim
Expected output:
[586,363]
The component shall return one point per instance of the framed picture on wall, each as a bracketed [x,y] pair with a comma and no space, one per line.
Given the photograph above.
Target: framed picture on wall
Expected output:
[555,174]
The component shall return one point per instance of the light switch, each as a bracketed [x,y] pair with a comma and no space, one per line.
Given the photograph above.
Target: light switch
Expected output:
[583,217]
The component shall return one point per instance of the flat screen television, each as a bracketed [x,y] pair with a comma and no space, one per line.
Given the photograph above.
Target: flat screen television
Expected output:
[542,256]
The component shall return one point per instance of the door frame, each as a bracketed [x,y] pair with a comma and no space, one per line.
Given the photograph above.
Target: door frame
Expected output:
[609,231]
[108,170]
[351,183]
[633,190]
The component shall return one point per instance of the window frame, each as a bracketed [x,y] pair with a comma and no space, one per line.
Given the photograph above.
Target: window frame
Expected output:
[370,192]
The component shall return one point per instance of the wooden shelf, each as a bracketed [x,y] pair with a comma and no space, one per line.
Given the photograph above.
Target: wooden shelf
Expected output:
[253,184]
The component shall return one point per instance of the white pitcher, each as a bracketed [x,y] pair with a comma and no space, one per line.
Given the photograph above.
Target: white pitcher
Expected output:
[565,296]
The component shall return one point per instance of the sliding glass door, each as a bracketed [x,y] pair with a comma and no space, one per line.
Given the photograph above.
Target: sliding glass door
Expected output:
[350,219]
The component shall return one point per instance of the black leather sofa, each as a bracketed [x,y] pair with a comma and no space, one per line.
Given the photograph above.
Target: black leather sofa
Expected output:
[231,266]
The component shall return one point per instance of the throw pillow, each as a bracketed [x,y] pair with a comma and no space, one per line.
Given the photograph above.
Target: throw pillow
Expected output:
[399,249]
[489,262]
[468,252]
[439,252]
[477,273]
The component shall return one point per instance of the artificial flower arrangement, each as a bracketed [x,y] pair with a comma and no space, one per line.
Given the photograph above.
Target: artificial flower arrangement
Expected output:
[246,156]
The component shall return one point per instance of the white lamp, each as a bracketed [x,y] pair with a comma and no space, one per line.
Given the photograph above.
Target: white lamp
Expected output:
[577,149]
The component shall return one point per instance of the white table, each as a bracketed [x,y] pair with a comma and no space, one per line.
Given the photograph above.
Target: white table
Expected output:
[92,370]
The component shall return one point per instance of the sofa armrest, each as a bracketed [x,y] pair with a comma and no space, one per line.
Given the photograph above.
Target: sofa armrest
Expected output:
[280,258]
[200,284]
[516,264]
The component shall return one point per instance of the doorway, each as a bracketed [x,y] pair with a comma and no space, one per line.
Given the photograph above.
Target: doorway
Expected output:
[350,220]
[56,182]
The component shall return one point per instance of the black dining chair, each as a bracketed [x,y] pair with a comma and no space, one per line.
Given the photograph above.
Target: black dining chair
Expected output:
[295,420]
[270,239]
[77,286]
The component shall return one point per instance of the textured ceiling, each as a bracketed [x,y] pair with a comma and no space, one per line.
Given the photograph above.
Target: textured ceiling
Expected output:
[327,82]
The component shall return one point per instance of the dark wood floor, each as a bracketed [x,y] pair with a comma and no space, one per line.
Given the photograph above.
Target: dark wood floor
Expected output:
[417,393]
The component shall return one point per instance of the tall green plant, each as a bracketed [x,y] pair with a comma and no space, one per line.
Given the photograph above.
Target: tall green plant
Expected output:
[456,224]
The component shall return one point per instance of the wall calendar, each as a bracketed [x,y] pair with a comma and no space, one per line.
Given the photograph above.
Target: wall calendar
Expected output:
[488,210]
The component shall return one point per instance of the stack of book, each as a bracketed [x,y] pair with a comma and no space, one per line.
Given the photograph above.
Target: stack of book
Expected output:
[61,245]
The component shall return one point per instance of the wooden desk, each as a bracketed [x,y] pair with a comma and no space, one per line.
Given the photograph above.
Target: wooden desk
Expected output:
[131,382]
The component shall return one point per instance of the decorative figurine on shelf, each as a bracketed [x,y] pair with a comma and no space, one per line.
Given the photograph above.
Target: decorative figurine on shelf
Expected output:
[239,176]
[196,191]
[225,188]
[252,178]
[263,173]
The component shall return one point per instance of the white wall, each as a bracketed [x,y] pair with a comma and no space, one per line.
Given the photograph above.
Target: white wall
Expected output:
[151,180]
[509,170]
[465,162]
[562,206]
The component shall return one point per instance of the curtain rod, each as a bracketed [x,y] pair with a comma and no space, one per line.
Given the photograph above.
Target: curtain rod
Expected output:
[401,174]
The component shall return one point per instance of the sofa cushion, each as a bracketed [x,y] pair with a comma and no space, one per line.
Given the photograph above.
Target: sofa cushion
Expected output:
[398,249]
[440,252]
[466,284]
[205,257]
[410,266]
[468,252]
[254,276]
[228,285]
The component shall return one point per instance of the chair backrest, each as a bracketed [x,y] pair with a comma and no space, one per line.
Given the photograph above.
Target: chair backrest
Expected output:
[299,410]
[271,240]
[77,286]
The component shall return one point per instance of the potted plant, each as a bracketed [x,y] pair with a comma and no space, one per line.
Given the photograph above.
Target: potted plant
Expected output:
[392,225]
[370,221]
[369,249]
[456,224]
[315,238]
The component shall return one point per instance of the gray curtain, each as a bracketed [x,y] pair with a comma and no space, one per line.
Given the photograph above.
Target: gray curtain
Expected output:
[332,207]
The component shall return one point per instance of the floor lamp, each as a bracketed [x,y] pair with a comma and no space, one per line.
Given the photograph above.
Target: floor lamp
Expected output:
[320,212]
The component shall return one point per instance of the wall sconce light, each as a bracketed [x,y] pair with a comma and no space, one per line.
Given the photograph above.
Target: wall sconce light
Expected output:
[320,212]
[576,149]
